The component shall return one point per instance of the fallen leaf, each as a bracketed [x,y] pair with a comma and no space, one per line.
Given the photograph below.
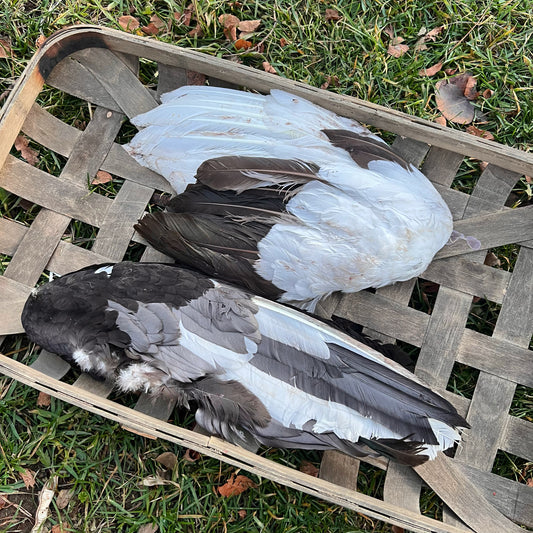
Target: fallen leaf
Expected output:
[492,260]
[248,26]
[40,41]
[283,42]
[167,459]
[487,93]
[28,478]
[529,482]
[431,35]
[450,71]
[451,99]
[389,31]
[101,177]
[197,31]
[61,528]
[242,513]
[148,528]
[157,480]
[420,45]
[45,499]
[5,49]
[154,26]
[397,529]
[332,14]
[241,44]
[230,23]
[480,133]
[128,23]
[330,80]
[431,71]
[43,400]
[235,486]
[191,455]
[440,120]
[528,179]
[195,78]
[309,468]
[3,500]
[29,154]
[267,67]
[64,497]
[396,48]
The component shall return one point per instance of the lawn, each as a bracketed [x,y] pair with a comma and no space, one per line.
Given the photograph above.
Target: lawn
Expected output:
[110,479]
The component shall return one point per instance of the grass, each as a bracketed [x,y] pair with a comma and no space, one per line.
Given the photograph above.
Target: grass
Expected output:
[103,465]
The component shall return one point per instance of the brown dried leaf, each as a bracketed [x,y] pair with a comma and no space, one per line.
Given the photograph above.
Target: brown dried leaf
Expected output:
[480,133]
[529,482]
[332,14]
[148,528]
[450,71]
[40,41]
[431,35]
[191,455]
[492,260]
[28,478]
[440,120]
[330,80]
[64,497]
[483,165]
[231,33]
[167,459]
[195,78]
[242,513]
[128,23]
[43,400]
[241,44]
[396,48]
[451,100]
[283,42]
[470,88]
[248,26]
[197,31]
[154,26]
[29,154]
[389,31]
[5,49]
[431,71]
[397,529]
[235,485]
[185,17]
[101,177]
[3,500]
[309,468]
[267,67]
[487,93]
[229,21]
[420,45]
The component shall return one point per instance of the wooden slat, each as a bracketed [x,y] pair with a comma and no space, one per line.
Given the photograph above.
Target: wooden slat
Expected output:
[116,229]
[381,314]
[118,80]
[497,357]
[443,336]
[13,296]
[169,78]
[441,165]
[469,277]
[73,201]
[340,469]
[518,438]
[35,249]
[11,234]
[68,257]
[95,386]
[92,147]
[410,150]
[51,365]
[402,487]
[492,230]
[72,77]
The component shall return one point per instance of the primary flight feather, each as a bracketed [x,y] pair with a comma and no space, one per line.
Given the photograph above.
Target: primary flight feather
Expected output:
[258,371]
[283,197]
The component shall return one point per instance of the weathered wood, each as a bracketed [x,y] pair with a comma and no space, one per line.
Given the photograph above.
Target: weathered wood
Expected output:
[402,487]
[51,365]
[340,469]
[492,230]
[95,386]
[118,80]
[410,150]
[11,234]
[443,336]
[441,165]
[169,78]
[68,257]
[92,146]
[116,229]
[73,201]
[466,276]
[518,438]
[72,77]
[13,296]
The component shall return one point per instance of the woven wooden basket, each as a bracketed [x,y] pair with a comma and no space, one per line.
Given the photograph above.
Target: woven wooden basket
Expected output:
[100,66]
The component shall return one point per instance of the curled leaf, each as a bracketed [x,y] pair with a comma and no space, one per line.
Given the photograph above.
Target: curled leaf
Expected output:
[248,26]
[267,67]
[451,99]
[43,400]
[480,133]
[101,177]
[29,154]
[396,48]
[128,23]
[431,71]
[167,459]
[235,485]
[241,44]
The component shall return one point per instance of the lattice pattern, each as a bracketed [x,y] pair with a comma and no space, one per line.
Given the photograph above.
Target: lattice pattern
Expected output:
[109,82]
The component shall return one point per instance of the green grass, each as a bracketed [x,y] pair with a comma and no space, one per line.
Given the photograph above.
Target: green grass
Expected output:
[104,465]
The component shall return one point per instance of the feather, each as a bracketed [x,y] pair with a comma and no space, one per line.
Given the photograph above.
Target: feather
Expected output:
[259,372]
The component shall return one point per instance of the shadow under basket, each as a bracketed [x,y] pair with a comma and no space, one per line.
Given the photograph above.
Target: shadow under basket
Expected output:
[77,224]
